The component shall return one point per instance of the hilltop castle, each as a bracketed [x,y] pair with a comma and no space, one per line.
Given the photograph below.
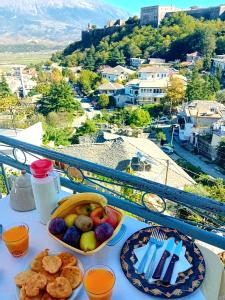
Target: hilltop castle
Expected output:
[153,15]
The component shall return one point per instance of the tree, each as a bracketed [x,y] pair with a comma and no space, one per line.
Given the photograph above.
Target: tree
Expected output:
[4,88]
[116,57]
[56,75]
[8,103]
[89,61]
[60,98]
[175,92]
[137,118]
[160,136]
[88,81]
[103,100]
[220,96]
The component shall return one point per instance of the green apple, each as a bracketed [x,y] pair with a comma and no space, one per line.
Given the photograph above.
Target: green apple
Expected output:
[70,219]
[88,241]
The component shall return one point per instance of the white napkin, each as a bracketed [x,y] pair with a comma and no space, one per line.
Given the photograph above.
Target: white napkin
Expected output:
[180,266]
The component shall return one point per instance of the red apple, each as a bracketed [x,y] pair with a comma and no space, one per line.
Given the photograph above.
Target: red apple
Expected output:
[104,215]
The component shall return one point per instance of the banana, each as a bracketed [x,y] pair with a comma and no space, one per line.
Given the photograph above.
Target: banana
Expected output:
[68,204]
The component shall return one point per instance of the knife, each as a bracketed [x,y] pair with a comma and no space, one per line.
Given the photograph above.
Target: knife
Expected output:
[158,271]
[174,259]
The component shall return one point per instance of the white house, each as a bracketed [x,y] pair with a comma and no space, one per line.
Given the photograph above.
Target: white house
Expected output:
[118,73]
[142,92]
[156,61]
[154,73]
[136,62]
[198,117]
[151,91]
[110,88]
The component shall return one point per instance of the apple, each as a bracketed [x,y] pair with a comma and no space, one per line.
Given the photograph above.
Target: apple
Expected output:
[84,209]
[70,219]
[104,215]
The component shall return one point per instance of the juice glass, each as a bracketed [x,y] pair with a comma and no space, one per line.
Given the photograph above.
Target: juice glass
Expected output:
[16,238]
[98,282]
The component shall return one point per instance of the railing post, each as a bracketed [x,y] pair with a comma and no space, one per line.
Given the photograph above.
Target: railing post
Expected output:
[5,178]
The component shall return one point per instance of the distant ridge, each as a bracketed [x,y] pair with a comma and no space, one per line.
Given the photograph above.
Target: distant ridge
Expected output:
[52,20]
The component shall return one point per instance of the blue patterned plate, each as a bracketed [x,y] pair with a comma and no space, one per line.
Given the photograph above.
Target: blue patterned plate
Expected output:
[187,282]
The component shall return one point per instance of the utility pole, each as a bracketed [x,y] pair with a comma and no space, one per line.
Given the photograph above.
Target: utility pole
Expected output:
[167,170]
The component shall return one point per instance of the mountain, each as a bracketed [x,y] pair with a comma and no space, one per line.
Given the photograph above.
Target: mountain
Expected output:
[52,20]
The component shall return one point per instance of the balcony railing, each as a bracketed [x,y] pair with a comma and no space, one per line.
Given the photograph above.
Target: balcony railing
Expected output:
[84,176]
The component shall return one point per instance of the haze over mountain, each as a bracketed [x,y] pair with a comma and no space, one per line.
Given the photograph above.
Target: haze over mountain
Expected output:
[52,20]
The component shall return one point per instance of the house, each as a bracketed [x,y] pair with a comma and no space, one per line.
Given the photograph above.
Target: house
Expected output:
[139,91]
[118,73]
[154,73]
[136,62]
[110,88]
[218,63]
[156,61]
[193,57]
[197,117]
[144,157]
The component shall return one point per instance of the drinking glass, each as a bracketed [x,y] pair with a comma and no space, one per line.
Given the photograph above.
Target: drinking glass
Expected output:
[98,282]
[16,238]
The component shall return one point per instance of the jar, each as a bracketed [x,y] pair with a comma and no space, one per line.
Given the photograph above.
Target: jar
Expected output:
[21,195]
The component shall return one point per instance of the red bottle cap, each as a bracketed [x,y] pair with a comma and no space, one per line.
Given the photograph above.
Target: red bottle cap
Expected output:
[40,168]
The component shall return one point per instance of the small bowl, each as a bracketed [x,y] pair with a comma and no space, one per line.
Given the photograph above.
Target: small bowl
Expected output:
[60,212]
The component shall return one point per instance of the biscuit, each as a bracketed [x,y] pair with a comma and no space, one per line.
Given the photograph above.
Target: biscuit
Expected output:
[60,288]
[22,277]
[73,274]
[34,284]
[49,277]
[36,264]
[23,295]
[67,259]
[51,264]
[46,296]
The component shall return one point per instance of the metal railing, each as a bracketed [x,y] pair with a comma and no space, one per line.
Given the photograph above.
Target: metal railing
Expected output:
[90,177]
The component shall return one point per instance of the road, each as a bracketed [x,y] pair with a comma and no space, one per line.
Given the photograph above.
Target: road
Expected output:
[194,159]
[87,113]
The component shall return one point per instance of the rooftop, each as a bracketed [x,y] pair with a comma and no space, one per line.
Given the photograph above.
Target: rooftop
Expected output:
[109,86]
[117,70]
[117,152]
[204,108]
[154,69]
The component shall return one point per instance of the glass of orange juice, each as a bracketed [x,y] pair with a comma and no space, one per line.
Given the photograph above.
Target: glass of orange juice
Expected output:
[98,282]
[16,238]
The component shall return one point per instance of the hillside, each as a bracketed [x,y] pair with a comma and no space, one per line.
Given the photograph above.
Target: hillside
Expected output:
[178,35]
[51,20]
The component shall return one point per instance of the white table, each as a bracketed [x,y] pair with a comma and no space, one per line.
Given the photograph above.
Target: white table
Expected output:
[39,240]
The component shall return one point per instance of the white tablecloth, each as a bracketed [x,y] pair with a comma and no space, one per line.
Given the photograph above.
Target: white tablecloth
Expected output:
[39,240]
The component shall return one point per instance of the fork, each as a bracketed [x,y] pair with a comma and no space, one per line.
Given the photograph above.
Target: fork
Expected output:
[154,239]
[158,240]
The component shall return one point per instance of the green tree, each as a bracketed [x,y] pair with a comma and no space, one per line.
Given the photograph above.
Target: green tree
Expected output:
[88,81]
[116,57]
[138,118]
[89,61]
[103,100]
[60,137]
[4,88]
[175,92]
[60,98]
[220,96]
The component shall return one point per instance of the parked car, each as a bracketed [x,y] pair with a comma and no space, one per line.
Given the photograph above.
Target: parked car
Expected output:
[164,119]
[167,149]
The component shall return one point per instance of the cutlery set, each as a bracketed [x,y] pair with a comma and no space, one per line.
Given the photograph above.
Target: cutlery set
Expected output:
[146,265]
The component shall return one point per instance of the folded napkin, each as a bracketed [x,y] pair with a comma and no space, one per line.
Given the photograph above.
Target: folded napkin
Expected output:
[181,266]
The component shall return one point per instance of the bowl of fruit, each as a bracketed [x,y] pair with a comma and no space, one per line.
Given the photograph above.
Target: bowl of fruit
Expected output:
[84,223]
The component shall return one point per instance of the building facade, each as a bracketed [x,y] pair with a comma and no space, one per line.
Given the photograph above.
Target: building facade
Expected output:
[118,73]
[153,15]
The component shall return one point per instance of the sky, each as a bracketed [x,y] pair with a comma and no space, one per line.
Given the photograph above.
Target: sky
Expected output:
[133,6]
